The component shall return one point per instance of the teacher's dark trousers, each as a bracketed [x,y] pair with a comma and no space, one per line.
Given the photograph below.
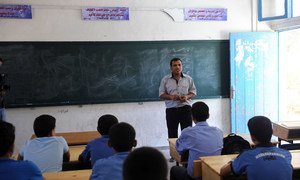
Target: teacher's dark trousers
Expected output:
[175,116]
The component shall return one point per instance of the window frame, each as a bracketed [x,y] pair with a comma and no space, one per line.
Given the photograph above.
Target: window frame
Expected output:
[287,11]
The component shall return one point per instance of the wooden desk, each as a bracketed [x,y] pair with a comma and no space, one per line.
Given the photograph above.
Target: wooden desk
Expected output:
[287,131]
[174,153]
[77,138]
[211,165]
[197,168]
[74,164]
[75,151]
[295,159]
[63,175]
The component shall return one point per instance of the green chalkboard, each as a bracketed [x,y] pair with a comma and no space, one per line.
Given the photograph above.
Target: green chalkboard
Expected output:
[62,73]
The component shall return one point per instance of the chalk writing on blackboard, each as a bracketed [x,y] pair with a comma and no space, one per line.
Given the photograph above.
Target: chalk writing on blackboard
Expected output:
[60,73]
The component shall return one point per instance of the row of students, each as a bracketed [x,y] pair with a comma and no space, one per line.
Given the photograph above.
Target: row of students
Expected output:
[265,161]
[38,154]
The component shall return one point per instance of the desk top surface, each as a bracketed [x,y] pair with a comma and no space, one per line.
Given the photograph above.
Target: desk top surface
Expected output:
[289,124]
[287,130]
[216,162]
[75,151]
[78,174]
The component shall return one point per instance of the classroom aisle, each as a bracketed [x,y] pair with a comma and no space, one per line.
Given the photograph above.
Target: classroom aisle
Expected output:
[166,151]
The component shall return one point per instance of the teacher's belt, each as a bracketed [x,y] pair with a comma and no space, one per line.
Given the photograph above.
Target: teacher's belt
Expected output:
[179,108]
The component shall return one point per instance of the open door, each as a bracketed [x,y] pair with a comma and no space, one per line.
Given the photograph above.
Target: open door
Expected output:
[254,77]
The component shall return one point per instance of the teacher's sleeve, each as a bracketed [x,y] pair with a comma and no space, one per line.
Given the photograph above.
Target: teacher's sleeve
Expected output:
[162,87]
[192,88]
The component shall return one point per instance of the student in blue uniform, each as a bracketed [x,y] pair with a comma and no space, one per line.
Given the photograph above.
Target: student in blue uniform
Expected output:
[200,140]
[47,151]
[265,161]
[9,168]
[145,163]
[122,140]
[98,148]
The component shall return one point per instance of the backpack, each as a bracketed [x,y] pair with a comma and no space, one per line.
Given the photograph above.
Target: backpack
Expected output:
[234,144]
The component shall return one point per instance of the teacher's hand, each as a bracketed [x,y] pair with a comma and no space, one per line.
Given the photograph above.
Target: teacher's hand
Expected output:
[175,97]
[183,98]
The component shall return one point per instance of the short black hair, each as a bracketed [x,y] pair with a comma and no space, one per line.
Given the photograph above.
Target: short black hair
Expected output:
[145,163]
[7,137]
[122,137]
[105,122]
[174,59]
[43,125]
[261,128]
[200,111]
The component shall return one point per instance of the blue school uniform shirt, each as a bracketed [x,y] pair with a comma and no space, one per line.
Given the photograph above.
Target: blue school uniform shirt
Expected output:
[97,149]
[46,152]
[200,140]
[267,163]
[110,168]
[16,170]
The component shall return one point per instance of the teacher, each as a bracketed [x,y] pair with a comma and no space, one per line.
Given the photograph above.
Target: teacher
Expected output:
[177,89]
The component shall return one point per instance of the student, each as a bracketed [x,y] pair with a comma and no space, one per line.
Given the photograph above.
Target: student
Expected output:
[145,163]
[46,150]
[98,148]
[265,161]
[200,140]
[9,168]
[122,140]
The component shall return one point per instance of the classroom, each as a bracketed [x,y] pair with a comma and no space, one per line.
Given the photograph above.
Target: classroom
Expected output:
[60,21]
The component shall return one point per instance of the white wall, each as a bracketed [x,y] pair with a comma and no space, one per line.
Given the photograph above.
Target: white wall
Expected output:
[60,20]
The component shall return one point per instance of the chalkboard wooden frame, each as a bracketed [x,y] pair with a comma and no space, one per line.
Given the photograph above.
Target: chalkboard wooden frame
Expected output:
[69,73]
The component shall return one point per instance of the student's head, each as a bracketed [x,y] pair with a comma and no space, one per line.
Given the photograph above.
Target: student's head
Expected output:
[200,111]
[122,137]
[7,138]
[260,129]
[145,163]
[105,122]
[44,125]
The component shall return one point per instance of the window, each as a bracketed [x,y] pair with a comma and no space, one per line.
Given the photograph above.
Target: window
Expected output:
[289,96]
[296,8]
[273,9]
